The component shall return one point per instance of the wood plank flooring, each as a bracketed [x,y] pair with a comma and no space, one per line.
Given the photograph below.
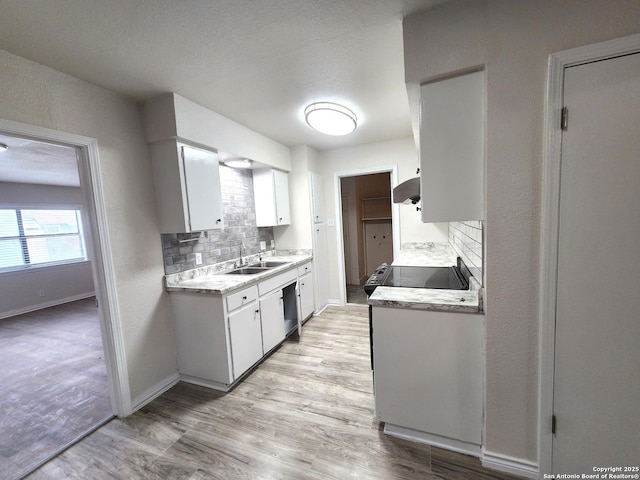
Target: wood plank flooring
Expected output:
[306,413]
[53,383]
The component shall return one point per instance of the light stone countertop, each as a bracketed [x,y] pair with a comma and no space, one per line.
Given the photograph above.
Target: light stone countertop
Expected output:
[211,279]
[429,255]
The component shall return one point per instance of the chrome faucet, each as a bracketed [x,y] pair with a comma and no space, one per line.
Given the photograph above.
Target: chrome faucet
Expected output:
[242,247]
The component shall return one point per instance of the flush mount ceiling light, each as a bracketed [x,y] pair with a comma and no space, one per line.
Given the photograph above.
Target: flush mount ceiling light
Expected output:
[330,118]
[3,147]
[238,163]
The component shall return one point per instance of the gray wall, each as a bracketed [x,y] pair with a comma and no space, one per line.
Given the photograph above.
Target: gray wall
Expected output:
[38,95]
[512,40]
[20,290]
[221,245]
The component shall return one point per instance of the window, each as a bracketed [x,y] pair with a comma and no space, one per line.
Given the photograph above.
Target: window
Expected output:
[40,237]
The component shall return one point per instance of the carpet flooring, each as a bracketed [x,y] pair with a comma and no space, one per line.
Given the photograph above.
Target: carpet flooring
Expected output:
[53,383]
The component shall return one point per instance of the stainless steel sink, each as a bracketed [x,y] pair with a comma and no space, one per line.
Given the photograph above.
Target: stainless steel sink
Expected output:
[266,264]
[247,270]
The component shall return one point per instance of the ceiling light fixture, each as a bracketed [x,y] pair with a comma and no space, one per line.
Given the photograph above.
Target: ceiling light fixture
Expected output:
[3,147]
[238,163]
[330,118]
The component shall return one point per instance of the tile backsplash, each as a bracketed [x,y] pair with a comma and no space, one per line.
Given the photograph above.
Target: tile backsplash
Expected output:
[221,245]
[466,238]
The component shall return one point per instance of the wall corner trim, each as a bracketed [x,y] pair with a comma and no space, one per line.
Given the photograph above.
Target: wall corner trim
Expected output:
[154,392]
[516,466]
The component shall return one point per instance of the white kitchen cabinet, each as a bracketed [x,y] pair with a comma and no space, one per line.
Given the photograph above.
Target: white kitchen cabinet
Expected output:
[305,294]
[220,337]
[317,198]
[187,187]
[428,370]
[272,316]
[246,338]
[271,195]
[452,149]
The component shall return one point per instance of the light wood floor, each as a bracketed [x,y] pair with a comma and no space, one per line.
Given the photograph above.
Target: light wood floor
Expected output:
[53,383]
[306,413]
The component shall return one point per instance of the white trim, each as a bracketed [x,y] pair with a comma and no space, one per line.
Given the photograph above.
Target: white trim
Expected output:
[50,303]
[432,439]
[155,391]
[516,466]
[550,218]
[395,219]
[98,249]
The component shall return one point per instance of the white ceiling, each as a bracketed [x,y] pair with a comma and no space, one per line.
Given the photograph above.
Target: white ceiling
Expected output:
[258,62]
[27,161]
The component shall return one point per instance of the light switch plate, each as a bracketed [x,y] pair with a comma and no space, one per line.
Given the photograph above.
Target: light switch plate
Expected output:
[263,245]
[198,258]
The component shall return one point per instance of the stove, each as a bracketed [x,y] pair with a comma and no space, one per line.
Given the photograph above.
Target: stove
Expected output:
[450,278]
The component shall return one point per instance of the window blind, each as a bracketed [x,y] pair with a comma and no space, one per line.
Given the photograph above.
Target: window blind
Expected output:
[40,237]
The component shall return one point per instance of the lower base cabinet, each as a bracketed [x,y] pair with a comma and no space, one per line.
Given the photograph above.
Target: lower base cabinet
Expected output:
[246,338]
[220,337]
[428,371]
[272,315]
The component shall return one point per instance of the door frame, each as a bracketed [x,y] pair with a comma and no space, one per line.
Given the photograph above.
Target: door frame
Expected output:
[99,250]
[395,217]
[550,220]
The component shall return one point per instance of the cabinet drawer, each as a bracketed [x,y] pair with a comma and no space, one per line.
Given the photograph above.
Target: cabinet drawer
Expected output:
[243,297]
[277,281]
[304,269]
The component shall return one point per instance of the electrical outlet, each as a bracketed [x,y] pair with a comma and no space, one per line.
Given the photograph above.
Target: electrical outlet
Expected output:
[263,245]
[198,258]
[41,293]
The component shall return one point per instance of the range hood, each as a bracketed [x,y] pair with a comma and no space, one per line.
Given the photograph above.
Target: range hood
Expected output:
[407,192]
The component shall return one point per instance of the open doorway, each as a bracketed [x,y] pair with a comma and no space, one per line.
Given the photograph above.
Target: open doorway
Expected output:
[51,257]
[367,229]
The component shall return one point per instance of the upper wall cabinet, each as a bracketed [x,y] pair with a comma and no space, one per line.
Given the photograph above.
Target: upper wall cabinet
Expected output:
[271,195]
[452,149]
[187,183]
[317,198]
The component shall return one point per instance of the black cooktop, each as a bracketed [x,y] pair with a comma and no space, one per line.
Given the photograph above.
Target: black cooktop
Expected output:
[450,278]
[424,277]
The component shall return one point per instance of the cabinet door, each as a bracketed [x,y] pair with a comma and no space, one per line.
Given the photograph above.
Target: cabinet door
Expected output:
[452,149]
[202,185]
[281,186]
[272,315]
[305,286]
[428,371]
[317,198]
[246,339]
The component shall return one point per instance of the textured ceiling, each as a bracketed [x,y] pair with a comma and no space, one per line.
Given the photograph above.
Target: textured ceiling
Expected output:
[27,161]
[258,62]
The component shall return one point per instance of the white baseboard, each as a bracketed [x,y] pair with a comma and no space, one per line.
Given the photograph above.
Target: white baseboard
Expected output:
[431,439]
[220,387]
[154,392]
[516,466]
[50,303]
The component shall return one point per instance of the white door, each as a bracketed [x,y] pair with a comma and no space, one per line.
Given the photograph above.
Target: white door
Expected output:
[202,181]
[272,315]
[246,339]
[305,294]
[317,198]
[597,352]
[320,268]
[281,187]
[378,244]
